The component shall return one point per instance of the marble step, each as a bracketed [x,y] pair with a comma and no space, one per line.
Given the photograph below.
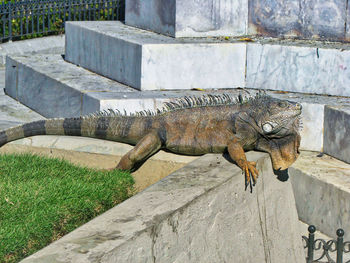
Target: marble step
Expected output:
[149,61]
[192,18]
[56,88]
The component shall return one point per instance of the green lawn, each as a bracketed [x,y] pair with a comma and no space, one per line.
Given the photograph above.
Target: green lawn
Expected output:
[42,199]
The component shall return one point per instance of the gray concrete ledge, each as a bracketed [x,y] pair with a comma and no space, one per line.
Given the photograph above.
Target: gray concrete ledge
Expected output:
[337,132]
[45,45]
[200,213]
[322,192]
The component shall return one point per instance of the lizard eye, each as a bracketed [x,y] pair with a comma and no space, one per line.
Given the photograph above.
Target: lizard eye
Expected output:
[282,104]
[267,128]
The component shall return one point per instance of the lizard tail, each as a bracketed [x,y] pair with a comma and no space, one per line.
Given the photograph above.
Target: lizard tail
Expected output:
[117,128]
[42,127]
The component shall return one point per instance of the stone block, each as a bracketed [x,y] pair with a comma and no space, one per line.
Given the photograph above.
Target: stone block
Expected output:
[189,18]
[297,68]
[321,188]
[337,132]
[317,19]
[200,213]
[149,61]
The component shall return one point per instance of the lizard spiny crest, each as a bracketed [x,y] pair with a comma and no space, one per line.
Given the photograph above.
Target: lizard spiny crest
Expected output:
[186,102]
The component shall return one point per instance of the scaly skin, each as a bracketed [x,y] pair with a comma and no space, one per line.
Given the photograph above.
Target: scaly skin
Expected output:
[191,126]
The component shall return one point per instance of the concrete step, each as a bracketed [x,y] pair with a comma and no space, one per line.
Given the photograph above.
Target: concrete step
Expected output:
[305,19]
[321,187]
[61,89]
[149,61]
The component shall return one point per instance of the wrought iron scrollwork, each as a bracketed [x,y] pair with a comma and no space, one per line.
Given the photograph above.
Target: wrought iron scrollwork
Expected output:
[320,250]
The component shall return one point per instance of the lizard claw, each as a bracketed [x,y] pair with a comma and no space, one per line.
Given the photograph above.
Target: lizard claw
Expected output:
[251,175]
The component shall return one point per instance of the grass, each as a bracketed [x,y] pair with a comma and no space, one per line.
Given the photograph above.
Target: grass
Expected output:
[42,199]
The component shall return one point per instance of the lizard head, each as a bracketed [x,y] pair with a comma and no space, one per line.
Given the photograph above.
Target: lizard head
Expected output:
[277,118]
[278,123]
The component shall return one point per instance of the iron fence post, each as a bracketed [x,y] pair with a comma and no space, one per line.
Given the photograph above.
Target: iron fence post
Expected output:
[340,245]
[69,10]
[310,244]
[10,21]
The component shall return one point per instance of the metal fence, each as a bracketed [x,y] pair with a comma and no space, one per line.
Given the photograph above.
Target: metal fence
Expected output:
[31,18]
[322,251]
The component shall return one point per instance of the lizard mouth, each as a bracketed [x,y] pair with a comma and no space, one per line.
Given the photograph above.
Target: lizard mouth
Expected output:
[282,175]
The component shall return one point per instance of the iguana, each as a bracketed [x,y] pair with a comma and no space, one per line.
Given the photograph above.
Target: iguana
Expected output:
[190,126]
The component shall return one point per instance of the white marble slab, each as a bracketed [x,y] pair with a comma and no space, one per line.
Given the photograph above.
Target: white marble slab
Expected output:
[191,66]
[312,132]
[298,69]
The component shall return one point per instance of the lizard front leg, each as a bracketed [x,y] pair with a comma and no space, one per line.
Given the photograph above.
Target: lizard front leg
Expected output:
[237,154]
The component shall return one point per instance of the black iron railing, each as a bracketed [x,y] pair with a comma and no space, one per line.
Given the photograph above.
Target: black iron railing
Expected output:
[31,18]
[322,251]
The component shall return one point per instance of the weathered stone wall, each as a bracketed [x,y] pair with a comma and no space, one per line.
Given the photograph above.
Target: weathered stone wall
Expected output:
[319,19]
[201,213]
